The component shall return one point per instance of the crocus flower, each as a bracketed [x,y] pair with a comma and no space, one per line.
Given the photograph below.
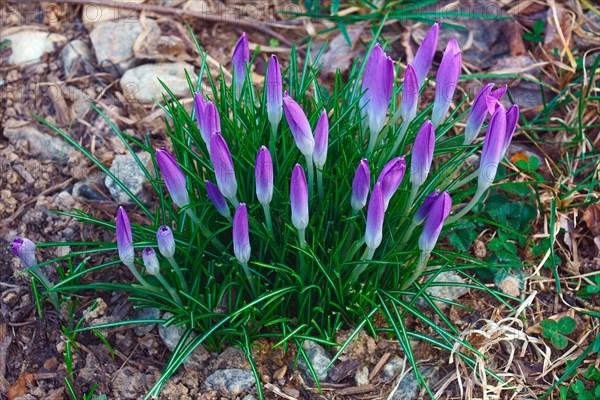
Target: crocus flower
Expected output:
[241,57]
[512,117]
[199,107]
[25,250]
[321,140]
[390,178]
[298,125]
[422,154]
[223,165]
[477,114]
[217,198]
[410,95]
[150,261]
[422,212]
[435,221]
[299,198]
[211,123]
[425,53]
[378,82]
[274,90]
[124,238]
[375,214]
[241,238]
[166,241]
[446,81]
[361,185]
[263,173]
[493,148]
[173,177]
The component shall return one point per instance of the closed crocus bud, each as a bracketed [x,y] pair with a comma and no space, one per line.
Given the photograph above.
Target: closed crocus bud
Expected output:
[124,238]
[425,53]
[199,108]
[150,261]
[390,178]
[493,148]
[211,122]
[173,177]
[217,198]
[422,212]
[446,81]
[375,214]
[241,238]
[223,165]
[477,114]
[435,221]
[298,125]
[274,95]
[263,173]
[422,154]
[299,198]
[512,117]
[410,95]
[166,241]
[361,185]
[378,82]
[321,140]
[241,57]
[25,250]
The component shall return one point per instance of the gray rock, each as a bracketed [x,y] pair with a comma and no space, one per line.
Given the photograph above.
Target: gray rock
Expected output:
[126,169]
[76,51]
[128,383]
[172,334]
[113,41]
[145,313]
[408,388]
[64,201]
[29,45]
[41,145]
[318,357]
[445,292]
[230,381]
[87,189]
[362,376]
[392,367]
[140,84]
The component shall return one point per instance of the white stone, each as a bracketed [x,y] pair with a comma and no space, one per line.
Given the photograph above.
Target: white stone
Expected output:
[28,46]
[140,84]
[126,169]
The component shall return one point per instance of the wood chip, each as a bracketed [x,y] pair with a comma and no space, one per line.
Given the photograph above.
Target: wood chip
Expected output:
[379,365]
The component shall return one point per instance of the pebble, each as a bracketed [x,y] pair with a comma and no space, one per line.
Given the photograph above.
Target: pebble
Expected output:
[86,189]
[41,145]
[64,201]
[75,51]
[230,381]
[446,292]
[408,389]
[318,357]
[28,46]
[140,84]
[126,169]
[145,313]
[362,376]
[392,367]
[172,334]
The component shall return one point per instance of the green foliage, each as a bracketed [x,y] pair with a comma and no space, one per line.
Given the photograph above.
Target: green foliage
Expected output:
[588,291]
[556,331]
[536,35]
[580,390]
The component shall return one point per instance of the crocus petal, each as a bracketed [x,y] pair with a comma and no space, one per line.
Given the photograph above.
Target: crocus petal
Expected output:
[241,56]
[493,148]
[435,221]
[150,261]
[173,177]
[124,238]
[478,113]
[410,95]
[422,154]
[422,212]
[199,109]
[425,53]
[25,250]
[361,185]
[375,214]
[223,165]
[492,104]
[217,198]
[390,178]
[166,241]
[274,93]
[512,117]
[241,238]
[212,122]
[446,81]
[321,140]
[263,173]
[498,93]
[381,93]
[298,125]
[299,198]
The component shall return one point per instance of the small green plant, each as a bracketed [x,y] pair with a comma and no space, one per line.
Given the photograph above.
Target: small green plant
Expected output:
[557,331]
[536,34]
[579,390]
[589,290]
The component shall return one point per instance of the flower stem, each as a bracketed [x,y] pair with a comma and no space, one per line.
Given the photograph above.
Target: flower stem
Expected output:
[372,143]
[39,274]
[249,277]
[169,288]
[411,199]
[367,256]
[207,233]
[320,184]
[137,275]
[403,129]
[423,258]
[310,173]
[267,211]
[465,180]
[177,270]
[302,237]
[408,233]
[480,191]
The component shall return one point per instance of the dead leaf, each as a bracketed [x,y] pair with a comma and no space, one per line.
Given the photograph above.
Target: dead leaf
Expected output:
[339,55]
[591,217]
[21,386]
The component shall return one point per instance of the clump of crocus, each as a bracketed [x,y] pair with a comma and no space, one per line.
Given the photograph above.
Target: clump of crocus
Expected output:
[274,95]
[239,60]
[446,81]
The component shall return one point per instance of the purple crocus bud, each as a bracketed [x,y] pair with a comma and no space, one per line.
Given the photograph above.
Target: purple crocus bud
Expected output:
[299,198]
[512,117]
[321,140]
[173,177]
[218,200]
[25,250]
[241,238]
[150,261]
[361,185]
[390,178]
[223,165]
[410,95]
[199,108]
[435,221]
[446,81]
[493,148]
[422,154]
[241,57]
[298,125]
[211,123]
[274,95]
[425,53]
[166,241]
[263,173]
[124,238]
[375,214]
[378,82]
[477,114]
[422,212]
